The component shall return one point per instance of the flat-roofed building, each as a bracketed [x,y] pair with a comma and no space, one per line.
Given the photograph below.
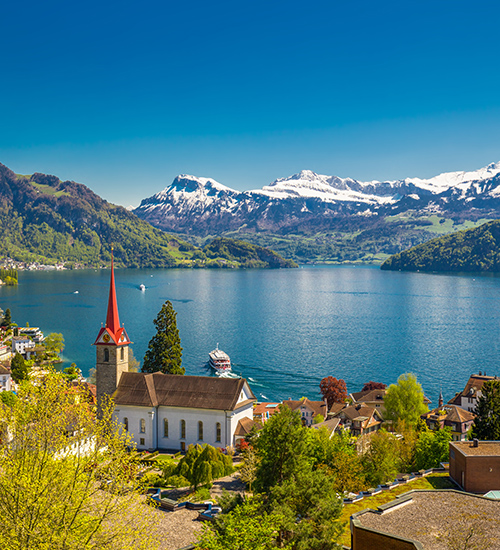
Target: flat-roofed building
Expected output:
[475,465]
[428,520]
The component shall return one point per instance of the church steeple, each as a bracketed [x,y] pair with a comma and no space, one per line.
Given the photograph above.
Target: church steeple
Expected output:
[112,318]
[111,346]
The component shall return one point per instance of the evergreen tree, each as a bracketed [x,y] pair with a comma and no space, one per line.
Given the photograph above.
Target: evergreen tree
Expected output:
[164,352]
[7,319]
[487,423]
[18,368]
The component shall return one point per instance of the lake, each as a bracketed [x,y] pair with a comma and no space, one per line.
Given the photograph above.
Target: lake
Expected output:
[285,329]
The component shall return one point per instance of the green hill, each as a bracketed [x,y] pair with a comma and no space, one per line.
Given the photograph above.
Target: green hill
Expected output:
[43,219]
[249,255]
[472,250]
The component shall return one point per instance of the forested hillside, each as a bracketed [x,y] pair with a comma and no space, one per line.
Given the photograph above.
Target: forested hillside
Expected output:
[473,250]
[43,219]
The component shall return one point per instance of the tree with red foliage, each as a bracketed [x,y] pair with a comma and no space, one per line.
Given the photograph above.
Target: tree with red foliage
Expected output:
[333,390]
[374,386]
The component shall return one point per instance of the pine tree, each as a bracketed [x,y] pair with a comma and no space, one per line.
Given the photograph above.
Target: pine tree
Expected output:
[487,423]
[19,369]
[164,352]
[7,320]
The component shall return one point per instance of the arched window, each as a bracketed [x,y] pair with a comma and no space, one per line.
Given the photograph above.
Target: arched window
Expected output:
[165,427]
[122,354]
[217,432]
[125,423]
[183,429]
[106,355]
[143,426]
[200,430]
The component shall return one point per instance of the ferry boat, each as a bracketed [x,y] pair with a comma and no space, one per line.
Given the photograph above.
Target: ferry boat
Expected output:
[219,360]
[142,287]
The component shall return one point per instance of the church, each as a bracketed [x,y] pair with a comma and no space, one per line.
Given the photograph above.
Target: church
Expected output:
[165,411]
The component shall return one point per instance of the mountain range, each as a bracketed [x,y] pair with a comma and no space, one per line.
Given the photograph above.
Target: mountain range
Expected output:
[46,220]
[312,202]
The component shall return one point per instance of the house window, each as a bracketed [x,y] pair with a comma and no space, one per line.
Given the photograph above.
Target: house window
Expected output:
[165,427]
[183,429]
[142,442]
[125,423]
[217,432]
[122,354]
[106,355]
[143,426]
[200,430]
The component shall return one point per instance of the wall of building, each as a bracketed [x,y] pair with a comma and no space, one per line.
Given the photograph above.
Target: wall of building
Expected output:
[370,539]
[108,372]
[153,437]
[143,441]
[480,473]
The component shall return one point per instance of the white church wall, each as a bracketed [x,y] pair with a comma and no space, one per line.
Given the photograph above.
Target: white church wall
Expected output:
[143,440]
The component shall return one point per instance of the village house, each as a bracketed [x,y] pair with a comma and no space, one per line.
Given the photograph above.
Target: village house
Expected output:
[467,399]
[163,411]
[309,410]
[34,333]
[450,416]
[475,465]
[5,352]
[23,345]
[370,398]
[360,419]
[5,378]
[262,412]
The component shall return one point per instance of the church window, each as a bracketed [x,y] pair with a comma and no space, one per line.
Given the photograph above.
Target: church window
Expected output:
[165,427]
[125,423]
[143,426]
[217,432]
[200,430]
[106,355]
[183,429]
[122,354]
[141,441]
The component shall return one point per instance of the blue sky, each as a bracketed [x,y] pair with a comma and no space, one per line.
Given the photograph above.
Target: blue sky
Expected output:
[123,96]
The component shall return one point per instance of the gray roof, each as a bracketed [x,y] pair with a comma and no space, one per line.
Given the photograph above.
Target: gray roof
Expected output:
[171,390]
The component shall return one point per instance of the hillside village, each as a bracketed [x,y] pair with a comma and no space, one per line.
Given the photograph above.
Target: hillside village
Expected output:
[368,449]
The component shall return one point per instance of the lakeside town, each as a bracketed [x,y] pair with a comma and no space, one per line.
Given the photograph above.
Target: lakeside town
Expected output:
[206,452]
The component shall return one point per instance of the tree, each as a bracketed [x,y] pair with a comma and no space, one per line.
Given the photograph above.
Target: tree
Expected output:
[432,448]
[8,398]
[7,319]
[247,527]
[381,462]
[133,364]
[72,372]
[281,448]
[54,343]
[18,368]
[405,400]
[248,469]
[333,390]
[374,386]
[164,352]
[337,455]
[487,422]
[67,479]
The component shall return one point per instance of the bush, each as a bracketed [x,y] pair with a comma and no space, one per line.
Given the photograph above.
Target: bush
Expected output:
[177,481]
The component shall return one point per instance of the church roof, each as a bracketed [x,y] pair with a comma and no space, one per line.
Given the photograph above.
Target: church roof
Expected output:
[171,390]
[112,332]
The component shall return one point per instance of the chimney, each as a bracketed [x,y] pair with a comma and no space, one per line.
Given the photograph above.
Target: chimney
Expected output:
[475,442]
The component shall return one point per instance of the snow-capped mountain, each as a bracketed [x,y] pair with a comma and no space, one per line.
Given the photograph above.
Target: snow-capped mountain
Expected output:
[308,200]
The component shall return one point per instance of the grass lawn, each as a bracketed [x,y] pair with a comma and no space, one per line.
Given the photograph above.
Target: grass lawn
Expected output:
[432,481]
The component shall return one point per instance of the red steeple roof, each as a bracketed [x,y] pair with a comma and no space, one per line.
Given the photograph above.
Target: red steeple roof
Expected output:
[112,332]
[112,319]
